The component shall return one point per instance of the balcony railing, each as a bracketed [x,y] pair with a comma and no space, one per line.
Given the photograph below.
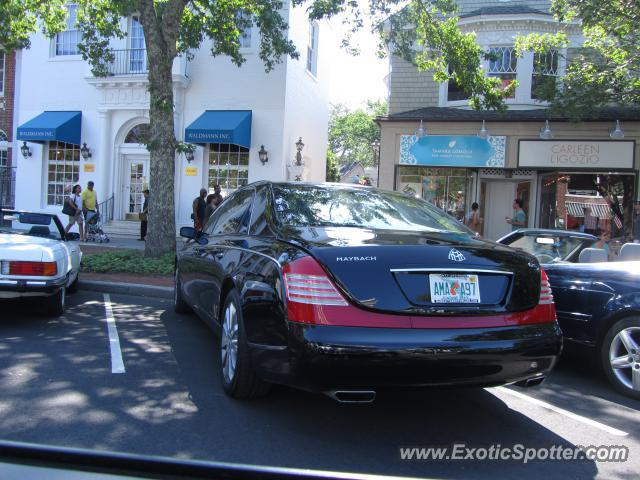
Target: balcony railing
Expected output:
[132,61]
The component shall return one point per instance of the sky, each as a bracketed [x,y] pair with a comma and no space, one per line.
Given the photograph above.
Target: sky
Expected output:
[355,79]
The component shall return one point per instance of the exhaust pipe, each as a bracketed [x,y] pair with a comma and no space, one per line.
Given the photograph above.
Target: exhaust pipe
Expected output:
[530,382]
[352,396]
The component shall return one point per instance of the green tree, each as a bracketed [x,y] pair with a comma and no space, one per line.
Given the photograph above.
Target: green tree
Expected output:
[171,28]
[605,70]
[351,135]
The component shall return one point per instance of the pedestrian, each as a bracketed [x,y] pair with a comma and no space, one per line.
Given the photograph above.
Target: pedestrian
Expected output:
[216,192]
[604,236]
[211,205]
[590,221]
[75,200]
[636,222]
[519,219]
[473,218]
[144,215]
[89,205]
[199,206]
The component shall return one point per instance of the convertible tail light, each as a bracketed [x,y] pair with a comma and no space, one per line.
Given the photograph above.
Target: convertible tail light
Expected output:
[546,296]
[29,269]
[306,282]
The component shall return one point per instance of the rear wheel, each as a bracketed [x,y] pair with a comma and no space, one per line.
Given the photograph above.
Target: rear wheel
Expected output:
[57,302]
[620,356]
[239,379]
[179,305]
[73,288]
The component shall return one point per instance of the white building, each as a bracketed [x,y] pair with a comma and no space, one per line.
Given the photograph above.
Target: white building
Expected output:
[229,112]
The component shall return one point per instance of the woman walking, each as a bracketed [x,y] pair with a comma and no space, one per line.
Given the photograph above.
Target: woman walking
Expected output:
[75,200]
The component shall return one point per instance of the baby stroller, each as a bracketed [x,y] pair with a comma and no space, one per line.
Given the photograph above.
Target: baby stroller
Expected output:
[94,228]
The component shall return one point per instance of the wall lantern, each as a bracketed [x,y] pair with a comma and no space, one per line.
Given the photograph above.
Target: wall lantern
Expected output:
[420,131]
[25,150]
[617,133]
[85,152]
[263,155]
[299,147]
[546,133]
[484,131]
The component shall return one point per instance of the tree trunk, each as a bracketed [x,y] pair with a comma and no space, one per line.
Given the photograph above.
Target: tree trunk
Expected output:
[161,235]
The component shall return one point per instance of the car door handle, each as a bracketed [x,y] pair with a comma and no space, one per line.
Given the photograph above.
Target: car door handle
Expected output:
[219,255]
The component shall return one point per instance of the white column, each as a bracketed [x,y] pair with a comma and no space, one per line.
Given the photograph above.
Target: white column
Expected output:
[102,157]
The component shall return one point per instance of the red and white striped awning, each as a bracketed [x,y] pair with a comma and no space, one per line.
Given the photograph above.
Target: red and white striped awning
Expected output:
[576,209]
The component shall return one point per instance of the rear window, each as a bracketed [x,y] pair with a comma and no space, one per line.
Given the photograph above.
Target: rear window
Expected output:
[316,206]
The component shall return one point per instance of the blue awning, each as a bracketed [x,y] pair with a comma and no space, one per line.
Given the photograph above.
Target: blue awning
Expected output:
[51,126]
[221,126]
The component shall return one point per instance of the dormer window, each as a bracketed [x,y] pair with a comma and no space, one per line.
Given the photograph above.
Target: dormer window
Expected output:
[504,65]
[545,72]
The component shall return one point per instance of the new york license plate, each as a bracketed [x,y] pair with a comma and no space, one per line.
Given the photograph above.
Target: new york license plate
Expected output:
[454,288]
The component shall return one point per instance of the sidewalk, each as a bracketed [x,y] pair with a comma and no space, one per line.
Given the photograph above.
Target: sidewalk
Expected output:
[124,283]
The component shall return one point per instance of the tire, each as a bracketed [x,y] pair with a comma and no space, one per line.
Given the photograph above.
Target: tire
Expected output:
[239,379]
[56,303]
[620,356]
[73,288]
[179,305]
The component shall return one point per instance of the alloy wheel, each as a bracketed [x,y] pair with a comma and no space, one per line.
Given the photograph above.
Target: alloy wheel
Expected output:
[624,357]
[229,342]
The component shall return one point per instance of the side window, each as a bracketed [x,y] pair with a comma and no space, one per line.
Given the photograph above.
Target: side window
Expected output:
[259,221]
[232,213]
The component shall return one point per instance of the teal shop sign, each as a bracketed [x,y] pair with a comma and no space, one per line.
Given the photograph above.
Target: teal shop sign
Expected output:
[452,151]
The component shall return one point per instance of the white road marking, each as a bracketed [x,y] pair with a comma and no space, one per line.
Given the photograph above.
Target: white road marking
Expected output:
[561,411]
[117,364]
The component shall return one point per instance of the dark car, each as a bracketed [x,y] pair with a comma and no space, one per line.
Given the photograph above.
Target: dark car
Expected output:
[346,289]
[598,304]
[548,245]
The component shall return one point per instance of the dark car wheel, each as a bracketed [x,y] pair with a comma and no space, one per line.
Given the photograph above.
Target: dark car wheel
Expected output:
[179,305]
[56,303]
[239,380]
[620,356]
[73,288]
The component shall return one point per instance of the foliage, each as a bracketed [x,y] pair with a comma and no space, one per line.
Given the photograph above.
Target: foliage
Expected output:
[333,169]
[128,261]
[606,69]
[352,133]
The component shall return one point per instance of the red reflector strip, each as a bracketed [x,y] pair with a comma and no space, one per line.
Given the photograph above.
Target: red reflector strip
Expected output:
[31,269]
[312,289]
[546,296]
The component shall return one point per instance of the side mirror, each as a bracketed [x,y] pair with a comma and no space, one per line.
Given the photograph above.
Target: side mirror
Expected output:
[72,237]
[188,232]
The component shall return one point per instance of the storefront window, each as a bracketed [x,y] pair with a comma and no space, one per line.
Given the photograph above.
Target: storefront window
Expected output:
[63,170]
[590,202]
[228,167]
[446,188]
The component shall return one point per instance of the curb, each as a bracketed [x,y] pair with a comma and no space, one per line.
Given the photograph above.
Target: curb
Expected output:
[126,288]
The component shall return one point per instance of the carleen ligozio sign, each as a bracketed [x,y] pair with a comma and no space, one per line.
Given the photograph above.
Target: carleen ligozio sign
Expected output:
[576,154]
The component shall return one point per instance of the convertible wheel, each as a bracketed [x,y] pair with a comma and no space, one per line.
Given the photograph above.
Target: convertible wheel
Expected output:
[56,303]
[73,288]
[620,356]
[239,380]
[179,305]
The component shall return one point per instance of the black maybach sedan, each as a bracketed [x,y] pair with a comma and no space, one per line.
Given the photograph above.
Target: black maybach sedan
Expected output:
[345,289]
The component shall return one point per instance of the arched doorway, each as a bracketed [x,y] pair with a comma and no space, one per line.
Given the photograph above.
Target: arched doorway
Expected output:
[135,168]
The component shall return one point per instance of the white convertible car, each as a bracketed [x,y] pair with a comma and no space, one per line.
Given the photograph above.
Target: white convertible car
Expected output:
[36,258]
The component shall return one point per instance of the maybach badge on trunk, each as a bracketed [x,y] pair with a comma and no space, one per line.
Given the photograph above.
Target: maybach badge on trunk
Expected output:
[456,255]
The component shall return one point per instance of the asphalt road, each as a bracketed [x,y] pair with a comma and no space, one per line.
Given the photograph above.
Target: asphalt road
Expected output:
[57,387]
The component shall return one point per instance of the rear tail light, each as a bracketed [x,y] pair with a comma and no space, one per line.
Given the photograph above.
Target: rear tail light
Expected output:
[29,269]
[306,282]
[546,297]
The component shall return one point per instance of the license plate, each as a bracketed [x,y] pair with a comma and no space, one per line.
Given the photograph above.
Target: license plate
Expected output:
[454,288]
